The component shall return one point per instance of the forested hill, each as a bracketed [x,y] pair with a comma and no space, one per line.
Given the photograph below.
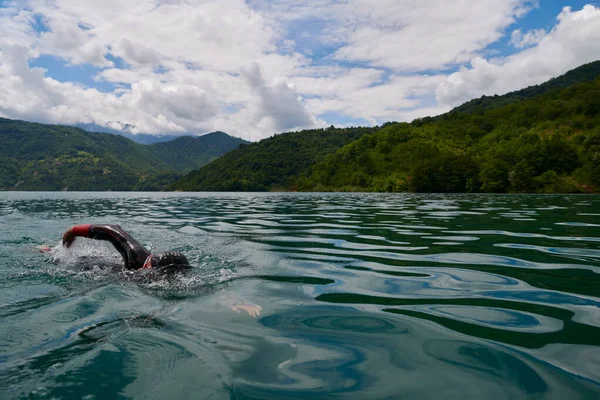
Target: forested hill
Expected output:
[549,143]
[188,153]
[270,164]
[50,157]
[545,138]
[585,73]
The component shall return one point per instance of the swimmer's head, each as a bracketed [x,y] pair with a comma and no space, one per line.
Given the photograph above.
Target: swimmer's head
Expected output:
[169,261]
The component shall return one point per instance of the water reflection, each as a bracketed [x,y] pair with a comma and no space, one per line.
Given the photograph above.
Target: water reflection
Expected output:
[362,296]
[319,352]
[488,363]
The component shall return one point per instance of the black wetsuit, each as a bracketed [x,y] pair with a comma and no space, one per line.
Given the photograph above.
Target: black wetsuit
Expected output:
[134,254]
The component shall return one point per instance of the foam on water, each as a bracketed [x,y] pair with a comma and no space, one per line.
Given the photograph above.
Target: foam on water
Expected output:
[95,261]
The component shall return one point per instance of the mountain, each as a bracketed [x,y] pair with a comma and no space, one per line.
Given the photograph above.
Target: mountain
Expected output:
[141,138]
[541,139]
[186,153]
[544,138]
[51,157]
[585,73]
[271,163]
[548,143]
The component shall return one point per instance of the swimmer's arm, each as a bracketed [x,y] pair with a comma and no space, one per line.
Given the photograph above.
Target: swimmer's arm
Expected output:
[99,232]
[74,232]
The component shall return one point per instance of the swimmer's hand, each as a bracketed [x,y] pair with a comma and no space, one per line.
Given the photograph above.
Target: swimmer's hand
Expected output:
[238,304]
[68,238]
[43,249]
[252,309]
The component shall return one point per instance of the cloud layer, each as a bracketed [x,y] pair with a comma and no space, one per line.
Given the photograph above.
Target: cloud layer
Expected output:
[574,41]
[264,66]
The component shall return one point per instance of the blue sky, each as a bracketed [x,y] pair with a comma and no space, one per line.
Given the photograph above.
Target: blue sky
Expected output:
[64,71]
[255,68]
[541,17]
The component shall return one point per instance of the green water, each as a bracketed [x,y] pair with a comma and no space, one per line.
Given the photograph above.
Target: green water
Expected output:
[361,296]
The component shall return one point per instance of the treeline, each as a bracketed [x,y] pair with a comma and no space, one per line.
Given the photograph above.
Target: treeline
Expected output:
[271,164]
[547,144]
[49,157]
[585,73]
[544,138]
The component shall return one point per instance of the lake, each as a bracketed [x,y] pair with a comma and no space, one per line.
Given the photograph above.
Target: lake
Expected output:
[351,296]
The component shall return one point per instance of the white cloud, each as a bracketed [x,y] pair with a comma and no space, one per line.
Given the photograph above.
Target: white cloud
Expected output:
[522,40]
[337,82]
[256,67]
[16,28]
[136,53]
[150,106]
[364,96]
[406,35]
[178,103]
[574,41]
[280,108]
[197,47]
[429,34]
[71,42]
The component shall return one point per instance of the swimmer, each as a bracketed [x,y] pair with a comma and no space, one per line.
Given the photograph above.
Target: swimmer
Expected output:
[135,256]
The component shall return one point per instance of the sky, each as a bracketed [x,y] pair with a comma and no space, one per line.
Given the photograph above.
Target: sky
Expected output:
[258,67]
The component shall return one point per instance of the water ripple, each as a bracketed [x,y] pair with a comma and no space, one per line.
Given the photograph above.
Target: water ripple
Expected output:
[360,296]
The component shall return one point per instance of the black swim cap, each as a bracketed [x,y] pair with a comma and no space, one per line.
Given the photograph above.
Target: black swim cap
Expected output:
[170,261]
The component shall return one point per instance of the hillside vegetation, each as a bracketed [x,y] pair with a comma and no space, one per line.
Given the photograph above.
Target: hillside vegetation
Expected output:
[48,157]
[188,153]
[585,73]
[270,164]
[544,138]
[550,143]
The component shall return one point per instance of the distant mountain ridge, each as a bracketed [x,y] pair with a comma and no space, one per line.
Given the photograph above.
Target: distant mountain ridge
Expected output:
[141,138]
[52,157]
[544,138]
[187,153]
[271,163]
